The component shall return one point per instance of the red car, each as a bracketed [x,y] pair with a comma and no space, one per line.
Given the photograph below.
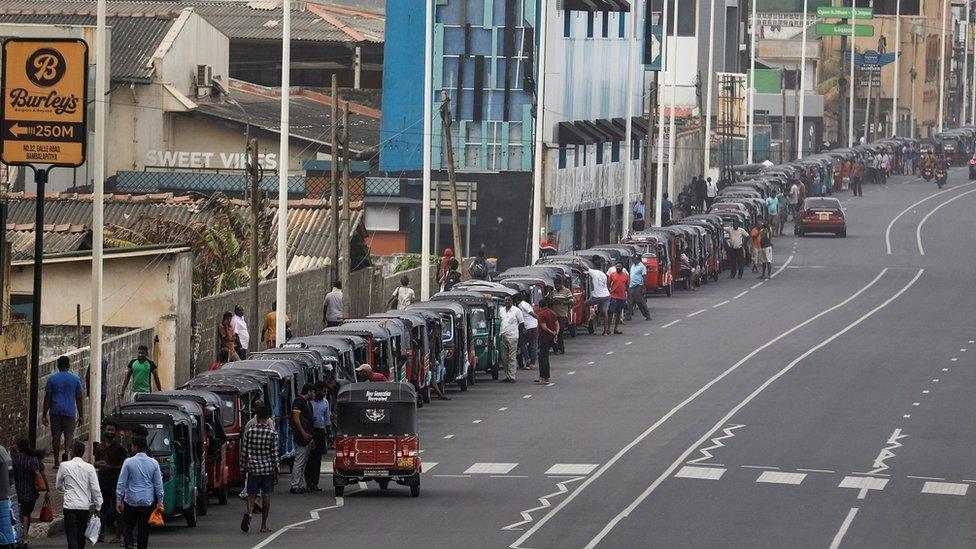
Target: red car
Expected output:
[821,215]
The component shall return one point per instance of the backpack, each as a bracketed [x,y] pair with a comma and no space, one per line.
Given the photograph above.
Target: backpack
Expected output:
[479,269]
[453,278]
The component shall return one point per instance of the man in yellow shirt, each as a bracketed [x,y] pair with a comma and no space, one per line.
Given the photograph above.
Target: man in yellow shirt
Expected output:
[268,334]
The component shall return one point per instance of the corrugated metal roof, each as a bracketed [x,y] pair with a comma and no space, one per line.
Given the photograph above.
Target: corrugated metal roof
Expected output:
[57,239]
[135,34]
[309,222]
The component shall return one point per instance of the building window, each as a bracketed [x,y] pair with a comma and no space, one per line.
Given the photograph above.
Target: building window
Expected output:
[567,24]
[562,156]
[599,153]
[615,151]
[606,24]
[589,24]
[576,155]
[635,149]
[583,155]
[622,24]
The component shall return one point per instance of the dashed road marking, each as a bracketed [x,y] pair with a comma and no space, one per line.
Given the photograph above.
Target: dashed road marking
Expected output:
[672,323]
[780,477]
[924,478]
[590,363]
[717,305]
[954,359]
[326,468]
[705,473]
[571,469]
[451,476]
[945,369]
[925,392]
[817,470]
[759,467]
[487,468]
[740,294]
[907,416]
[526,396]
[476,421]
[945,488]
[448,436]
[963,350]
[915,404]
[647,334]
[839,536]
[756,285]
[571,373]
[609,352]
[629,343]
[936,380]
[863,484]
[426,466]
[696,313]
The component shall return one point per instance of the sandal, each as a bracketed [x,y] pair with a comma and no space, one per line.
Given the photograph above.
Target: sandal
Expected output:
[266,530]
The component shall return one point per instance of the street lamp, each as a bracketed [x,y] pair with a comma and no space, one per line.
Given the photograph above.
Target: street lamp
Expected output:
[912,73]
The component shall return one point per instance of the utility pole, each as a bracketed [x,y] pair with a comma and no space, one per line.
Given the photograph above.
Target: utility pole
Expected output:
[451,178]
[798,115]
[334,198]
[345,260]
[782,118]
[253,174]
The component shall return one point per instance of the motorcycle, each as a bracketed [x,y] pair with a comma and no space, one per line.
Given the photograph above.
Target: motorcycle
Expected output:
[940,177]
[927,173]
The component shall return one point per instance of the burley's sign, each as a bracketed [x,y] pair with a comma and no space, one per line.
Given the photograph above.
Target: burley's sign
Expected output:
[43,114]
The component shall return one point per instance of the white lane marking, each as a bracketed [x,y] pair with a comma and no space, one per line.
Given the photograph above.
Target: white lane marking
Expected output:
[925,392]
[816,470]
[740,294]
[526,396]
[647,432]
[716,443]
[924,478]
[780,477]
[756,285]
[717,305]
[448,436]
[647,492]
[590,363]
[645,335]
[508,476]
[962,350]
[326,468]
[629,343]
[954,359]
[906,416]
[451,476]
[571,372]
[915,403]
[487,468]
[918,230]
[503,408]
[945,488]
[544,500]
[314,515]
[945,369]
[696,313]
[887,452]
[759,467]
[972,340]
[672,323]
[426,466]
[936,380]
[574,469]
[839,536]
[609,352]
[906,210]
[476,421]
[783,266]
[704,473]
[863,484]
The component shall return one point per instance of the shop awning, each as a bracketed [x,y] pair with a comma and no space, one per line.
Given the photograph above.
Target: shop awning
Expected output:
[568,134]
[618,134]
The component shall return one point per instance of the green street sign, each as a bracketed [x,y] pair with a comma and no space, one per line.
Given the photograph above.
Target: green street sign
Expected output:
[652,48]
[837,29]
[840,12]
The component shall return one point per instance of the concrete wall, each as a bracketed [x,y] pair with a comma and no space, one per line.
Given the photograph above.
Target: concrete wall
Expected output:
[14,355]
[57,340]
[196,42]
[142,290]
[118,350]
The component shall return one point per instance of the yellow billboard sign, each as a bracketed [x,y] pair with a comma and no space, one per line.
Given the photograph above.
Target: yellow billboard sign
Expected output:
[43,115]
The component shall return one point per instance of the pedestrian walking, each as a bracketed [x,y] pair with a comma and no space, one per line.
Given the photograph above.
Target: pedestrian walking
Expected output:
[302,422]
[711,192]
[793,199]
[666,207]
[444,266]
[239,323]
[29,480]
[78,483]
[772,206]
[619,282]
[635,291]
[227,337]
[755,247]
[548,335]
[699,192]
[479,267]
[138,492]
[332,312]
[562,299]
[269,330]
[512,325]
[782,208]
[453,276]
[64,405]
[766,251]
[403,296]
[599,295]
[259,459]
[529,344]
[737,238]
[141,371]
[109,457]
[322,419]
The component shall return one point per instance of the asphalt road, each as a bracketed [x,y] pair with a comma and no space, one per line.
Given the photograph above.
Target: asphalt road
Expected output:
[829,406]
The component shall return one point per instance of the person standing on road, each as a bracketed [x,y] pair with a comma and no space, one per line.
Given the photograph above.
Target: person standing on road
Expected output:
[772,206]
[109,457]
[619,284]
[782,206]
[138,492]
[239,323]
[64,405]
[711,192]
[322,419]
[302,421]
[28,474]
[737,237]
[793,198]
[599,294]
[259,459]
[141,370]
[548,335]
[562,300]
[755,247]
[766,251]
[530,336]
[635,292]
[512,324]
[78,483]
[332,313]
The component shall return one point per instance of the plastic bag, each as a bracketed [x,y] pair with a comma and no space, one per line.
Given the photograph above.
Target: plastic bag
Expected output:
[156,518]
[47,512]
[94,528]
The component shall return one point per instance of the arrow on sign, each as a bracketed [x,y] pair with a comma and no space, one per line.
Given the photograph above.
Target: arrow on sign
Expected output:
[17,130]
[655,47]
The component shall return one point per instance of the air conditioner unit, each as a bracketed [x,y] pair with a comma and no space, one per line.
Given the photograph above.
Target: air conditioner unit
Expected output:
[204,79]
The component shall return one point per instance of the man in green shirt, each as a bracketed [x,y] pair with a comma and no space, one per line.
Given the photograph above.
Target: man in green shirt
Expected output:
[140,370]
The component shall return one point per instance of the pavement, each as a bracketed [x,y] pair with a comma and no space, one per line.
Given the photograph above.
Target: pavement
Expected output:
[822,408]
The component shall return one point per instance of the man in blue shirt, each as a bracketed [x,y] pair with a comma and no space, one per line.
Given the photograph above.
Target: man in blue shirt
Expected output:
[139,491]
[322,420]
[666,207]
[65,402]
[635,293]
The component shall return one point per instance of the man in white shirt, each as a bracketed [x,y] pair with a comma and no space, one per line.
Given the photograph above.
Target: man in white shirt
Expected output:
[78,482]
[403,296]
[711,191]
[599,293]
[511,320]
[239,323]
[530,341]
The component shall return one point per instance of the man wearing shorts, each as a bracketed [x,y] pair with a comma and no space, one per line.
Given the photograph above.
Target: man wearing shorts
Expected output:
[64,405]
[766,251]
[599,293]
[259,458]
[619,284]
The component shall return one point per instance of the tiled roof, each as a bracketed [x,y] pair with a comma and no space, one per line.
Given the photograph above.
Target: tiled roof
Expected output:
[135,35]
[57,239]
[309,222]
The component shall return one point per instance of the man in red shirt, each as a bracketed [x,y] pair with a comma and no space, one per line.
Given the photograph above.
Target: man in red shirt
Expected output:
[619,281]
[548,334]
